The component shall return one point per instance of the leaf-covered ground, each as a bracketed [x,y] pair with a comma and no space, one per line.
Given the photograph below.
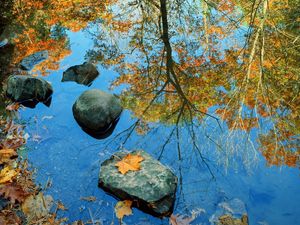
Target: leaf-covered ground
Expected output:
[21,200]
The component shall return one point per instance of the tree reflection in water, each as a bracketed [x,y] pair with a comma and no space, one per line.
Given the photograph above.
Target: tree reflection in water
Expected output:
[218,72]
[228,60]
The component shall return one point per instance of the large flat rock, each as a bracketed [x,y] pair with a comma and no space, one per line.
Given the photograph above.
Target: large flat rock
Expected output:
[152,188]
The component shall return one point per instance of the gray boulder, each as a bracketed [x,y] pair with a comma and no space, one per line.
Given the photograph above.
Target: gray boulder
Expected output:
[82,74]
[30,61]
[152,189]
[29,90]
[97,112]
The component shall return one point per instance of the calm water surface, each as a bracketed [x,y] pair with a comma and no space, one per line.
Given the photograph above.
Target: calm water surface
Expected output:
[239,141]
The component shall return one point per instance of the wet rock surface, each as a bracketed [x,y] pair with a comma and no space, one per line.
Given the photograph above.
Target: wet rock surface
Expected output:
[152,188]
[30,61]
[82,74]
[97,112]
[29,90]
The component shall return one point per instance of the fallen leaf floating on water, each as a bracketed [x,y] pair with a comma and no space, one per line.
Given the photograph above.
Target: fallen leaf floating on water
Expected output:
[36,207]
[61,206]
[88,198]
[13,192]
[180,220]
[123,208]
[7,174]
[78,222]
[130,162]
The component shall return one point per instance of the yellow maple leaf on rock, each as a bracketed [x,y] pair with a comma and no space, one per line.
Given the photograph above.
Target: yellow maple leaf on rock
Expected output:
[130,162]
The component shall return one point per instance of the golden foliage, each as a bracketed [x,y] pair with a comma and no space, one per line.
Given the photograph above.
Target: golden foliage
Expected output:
[6,155]
[7,174]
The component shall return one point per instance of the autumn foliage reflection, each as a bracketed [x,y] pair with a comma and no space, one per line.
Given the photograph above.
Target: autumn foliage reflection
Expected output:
[240,57]
[41,25]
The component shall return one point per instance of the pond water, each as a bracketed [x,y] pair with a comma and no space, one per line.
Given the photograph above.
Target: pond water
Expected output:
[226,122]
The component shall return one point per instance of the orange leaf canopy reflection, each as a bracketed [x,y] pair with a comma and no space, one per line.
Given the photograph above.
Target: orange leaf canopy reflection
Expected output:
[241,64]
[40,25]
[129,162]
[183,64]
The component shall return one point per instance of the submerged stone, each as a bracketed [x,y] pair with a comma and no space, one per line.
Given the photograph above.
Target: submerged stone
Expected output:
[30,61]
[229,220]
[29,90]
[97,112]
[152,188]
[232,212]
[82,74]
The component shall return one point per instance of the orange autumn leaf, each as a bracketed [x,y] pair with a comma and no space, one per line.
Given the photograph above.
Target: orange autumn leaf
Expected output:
[7,151]
[130,163]
[123,208]
[7,174]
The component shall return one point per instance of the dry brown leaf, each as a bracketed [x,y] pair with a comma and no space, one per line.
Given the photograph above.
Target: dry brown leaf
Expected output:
[7,174]
[13,192]
[14,142]
[7,151]
[7,154]
[9,217]
[37,207]
[130,163]
[123,208]
[78,222]
[61,206]
[180,220]
[88,198]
